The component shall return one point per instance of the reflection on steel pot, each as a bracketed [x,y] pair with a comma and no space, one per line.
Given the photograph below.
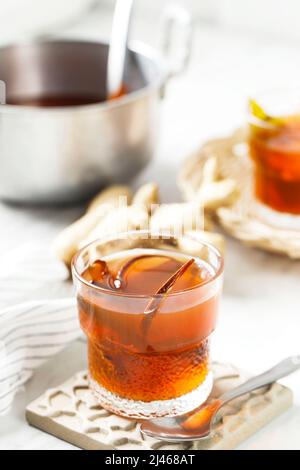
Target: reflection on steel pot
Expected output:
[73,142]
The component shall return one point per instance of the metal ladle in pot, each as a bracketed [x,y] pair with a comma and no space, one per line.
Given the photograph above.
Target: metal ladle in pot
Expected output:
[118,48]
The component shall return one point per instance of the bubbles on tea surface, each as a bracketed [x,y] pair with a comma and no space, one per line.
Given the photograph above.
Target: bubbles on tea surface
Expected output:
[97,270]
[117,283]
[98,274]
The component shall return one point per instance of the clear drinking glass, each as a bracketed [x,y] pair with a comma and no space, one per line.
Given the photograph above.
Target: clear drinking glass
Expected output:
[148,353]
[274,143]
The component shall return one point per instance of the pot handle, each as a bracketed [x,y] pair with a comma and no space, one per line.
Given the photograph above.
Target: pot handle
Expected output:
[177,39]
[2,92]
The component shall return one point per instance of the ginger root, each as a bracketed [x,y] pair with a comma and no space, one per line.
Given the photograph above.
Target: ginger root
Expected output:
[218,194]
[147,196]
[214,192]
[69,240]
[114,195]
[119,220]
[115,210]
[205,186]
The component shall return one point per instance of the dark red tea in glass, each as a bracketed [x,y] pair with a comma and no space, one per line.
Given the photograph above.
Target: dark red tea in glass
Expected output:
[148,311]
[274,144]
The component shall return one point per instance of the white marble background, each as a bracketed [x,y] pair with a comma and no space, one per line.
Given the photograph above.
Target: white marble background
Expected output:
[260,318]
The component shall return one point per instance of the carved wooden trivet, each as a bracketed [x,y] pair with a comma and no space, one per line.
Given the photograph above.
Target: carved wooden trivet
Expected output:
[242,220]
[71,413]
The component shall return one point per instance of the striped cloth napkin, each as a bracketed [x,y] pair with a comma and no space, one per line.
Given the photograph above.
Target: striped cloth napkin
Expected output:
[37,316]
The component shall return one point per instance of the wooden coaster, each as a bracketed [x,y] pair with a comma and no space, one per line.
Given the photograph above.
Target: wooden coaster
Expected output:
[71,413]
[243,220]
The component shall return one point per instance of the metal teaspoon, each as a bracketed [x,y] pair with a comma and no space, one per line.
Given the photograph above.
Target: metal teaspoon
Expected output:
[199,424]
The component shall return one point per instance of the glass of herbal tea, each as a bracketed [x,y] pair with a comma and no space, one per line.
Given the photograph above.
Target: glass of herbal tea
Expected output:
[274,142]
[148,311]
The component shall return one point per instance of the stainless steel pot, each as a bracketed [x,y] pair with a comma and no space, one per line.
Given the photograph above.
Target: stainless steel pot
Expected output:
[65,154]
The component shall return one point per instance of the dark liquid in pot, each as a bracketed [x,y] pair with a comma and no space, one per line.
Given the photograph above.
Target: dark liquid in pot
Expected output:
[53,101]
[59,101]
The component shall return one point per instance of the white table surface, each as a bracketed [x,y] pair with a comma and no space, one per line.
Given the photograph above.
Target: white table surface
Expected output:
[260,315]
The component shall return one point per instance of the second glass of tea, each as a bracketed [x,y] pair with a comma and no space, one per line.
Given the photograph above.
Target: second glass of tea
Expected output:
[274,142]
[148,311]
